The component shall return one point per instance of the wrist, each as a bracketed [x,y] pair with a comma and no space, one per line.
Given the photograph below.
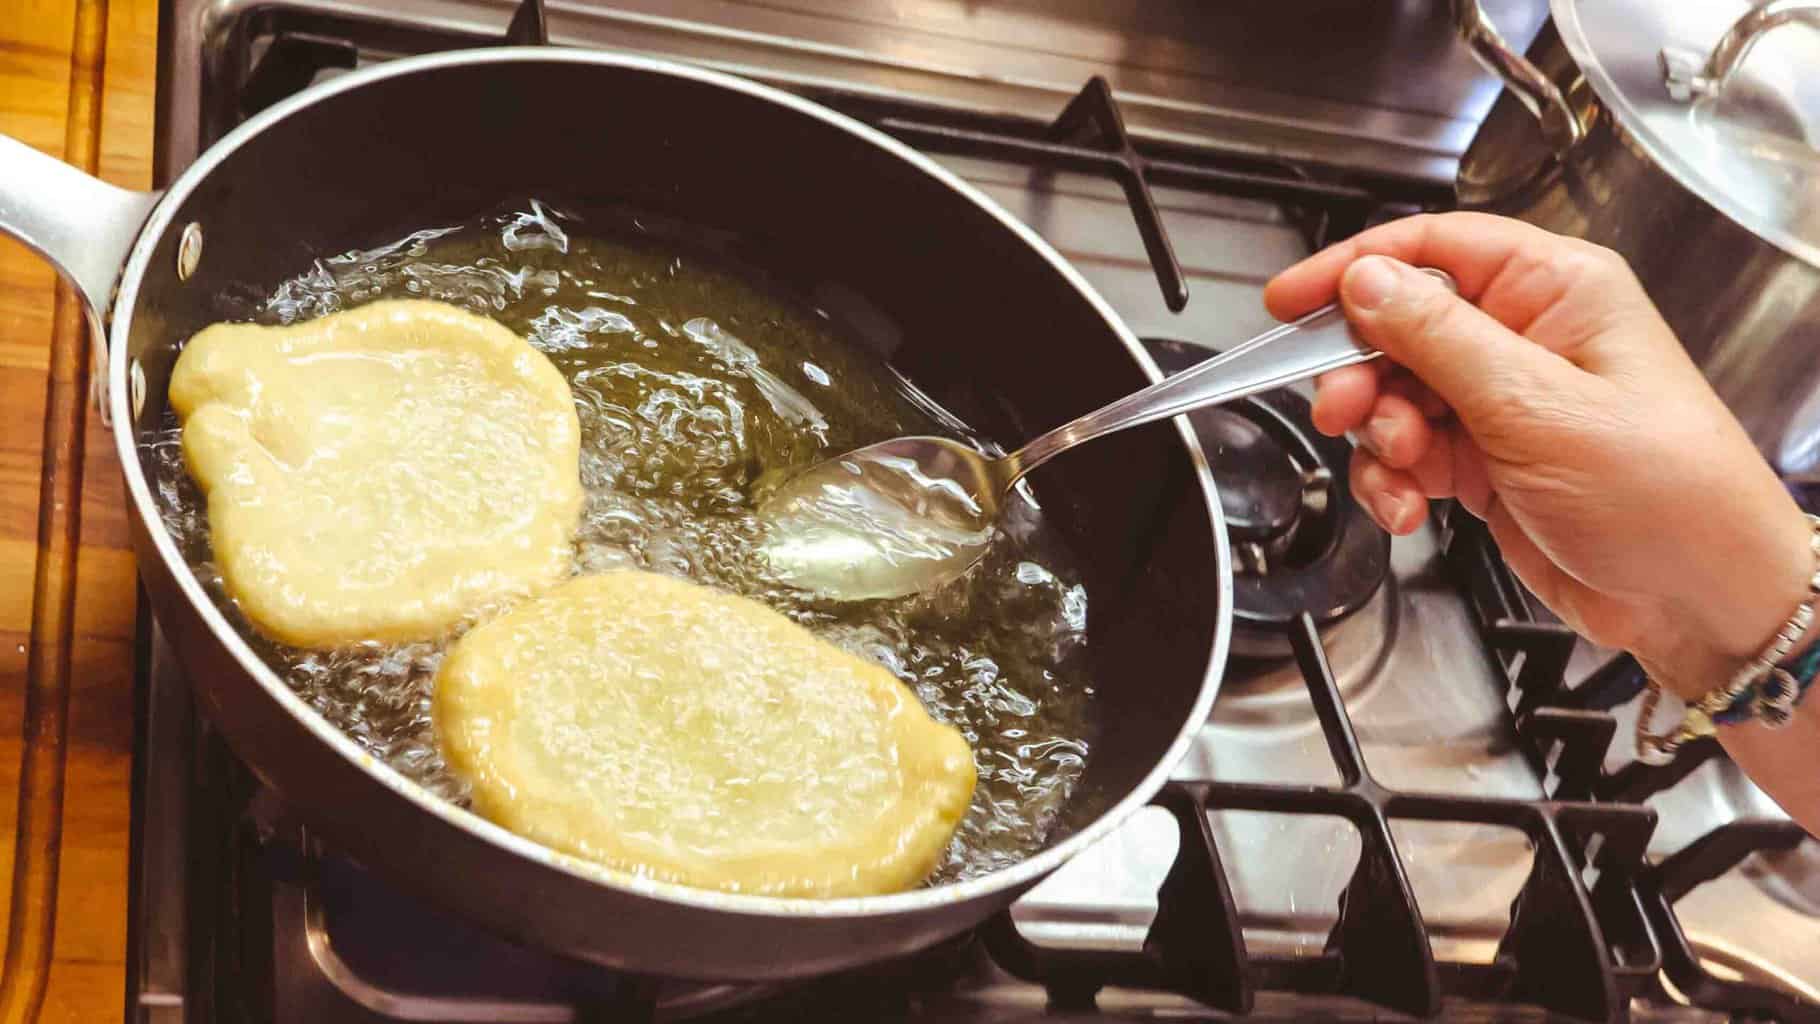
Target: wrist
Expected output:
[1761,580]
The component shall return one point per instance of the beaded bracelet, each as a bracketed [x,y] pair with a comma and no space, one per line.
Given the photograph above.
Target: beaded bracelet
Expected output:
[1766,690]
[1781,690]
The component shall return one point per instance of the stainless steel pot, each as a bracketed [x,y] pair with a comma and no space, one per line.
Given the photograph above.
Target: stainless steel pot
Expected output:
[958,295]
[1686,136]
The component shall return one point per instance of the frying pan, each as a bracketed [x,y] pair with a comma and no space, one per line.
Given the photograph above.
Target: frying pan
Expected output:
[903,256]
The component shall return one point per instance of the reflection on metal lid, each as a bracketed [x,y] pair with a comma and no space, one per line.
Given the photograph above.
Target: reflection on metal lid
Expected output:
[1722,95]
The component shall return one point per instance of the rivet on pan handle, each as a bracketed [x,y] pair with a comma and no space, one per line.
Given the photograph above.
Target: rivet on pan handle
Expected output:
[83,225]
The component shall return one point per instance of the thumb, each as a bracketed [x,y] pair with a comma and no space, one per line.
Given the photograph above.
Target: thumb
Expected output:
[1467,358]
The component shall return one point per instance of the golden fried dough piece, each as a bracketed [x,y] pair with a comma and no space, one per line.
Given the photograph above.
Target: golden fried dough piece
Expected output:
[681,733]
[379,473]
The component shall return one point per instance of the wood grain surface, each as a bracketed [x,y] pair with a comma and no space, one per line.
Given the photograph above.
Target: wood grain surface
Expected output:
[106,47]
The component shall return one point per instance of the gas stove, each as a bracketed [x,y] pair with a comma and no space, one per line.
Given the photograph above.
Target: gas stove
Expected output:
[1416,796]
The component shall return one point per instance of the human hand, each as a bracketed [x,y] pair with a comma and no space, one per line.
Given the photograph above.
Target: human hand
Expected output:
[1552,400]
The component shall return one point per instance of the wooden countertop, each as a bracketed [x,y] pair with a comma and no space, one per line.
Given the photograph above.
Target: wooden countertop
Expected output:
[83,70]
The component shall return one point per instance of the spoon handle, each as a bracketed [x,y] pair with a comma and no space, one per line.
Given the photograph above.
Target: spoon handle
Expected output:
[1313,345]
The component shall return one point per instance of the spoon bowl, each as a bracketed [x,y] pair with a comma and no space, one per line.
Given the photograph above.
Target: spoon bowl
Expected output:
[911,513]
[884,520]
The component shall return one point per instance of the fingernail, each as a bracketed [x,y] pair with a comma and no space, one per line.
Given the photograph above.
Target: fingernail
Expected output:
[1371,281]
[1390,511]
[1377,435]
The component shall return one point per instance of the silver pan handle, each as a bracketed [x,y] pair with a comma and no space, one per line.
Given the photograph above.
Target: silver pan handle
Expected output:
[1560,127]
[82,225]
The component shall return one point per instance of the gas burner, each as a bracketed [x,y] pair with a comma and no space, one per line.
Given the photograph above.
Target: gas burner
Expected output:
[1300,541]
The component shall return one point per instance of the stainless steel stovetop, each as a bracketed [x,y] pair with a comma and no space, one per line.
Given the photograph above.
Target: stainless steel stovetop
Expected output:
[1382,95]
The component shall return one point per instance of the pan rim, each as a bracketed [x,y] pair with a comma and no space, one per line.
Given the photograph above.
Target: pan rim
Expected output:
[1014,877]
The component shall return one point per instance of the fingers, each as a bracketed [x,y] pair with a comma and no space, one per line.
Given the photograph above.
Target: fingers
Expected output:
[1562,293]
[1451,466]
[1344,397]
[1399,382]
[1391,496]
[1473,247]
[1475,364]
[1396,431]
[1446,464]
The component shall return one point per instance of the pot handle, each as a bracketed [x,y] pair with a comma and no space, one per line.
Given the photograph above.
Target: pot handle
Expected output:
[82,225]
[1560,127]
[1687,76]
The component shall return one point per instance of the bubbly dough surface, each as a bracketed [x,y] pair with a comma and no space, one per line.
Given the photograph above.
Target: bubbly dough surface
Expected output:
[379,473]
[681,733]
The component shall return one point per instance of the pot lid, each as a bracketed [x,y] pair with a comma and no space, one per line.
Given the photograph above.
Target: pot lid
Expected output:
[1723,94]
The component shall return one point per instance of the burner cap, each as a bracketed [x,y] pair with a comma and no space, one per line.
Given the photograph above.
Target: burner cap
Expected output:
[1300,542]
[1260,486]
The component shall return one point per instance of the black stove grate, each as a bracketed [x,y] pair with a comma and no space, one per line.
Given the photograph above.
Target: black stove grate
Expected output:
[1572,950]
[1569,728]
[1088,136]
[1594,924]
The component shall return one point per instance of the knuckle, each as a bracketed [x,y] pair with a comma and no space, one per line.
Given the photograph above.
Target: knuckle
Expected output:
[1423,225]
[1545,271]
[1596,261]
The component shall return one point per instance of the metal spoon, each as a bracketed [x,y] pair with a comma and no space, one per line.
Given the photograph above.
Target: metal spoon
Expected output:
[907,514]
